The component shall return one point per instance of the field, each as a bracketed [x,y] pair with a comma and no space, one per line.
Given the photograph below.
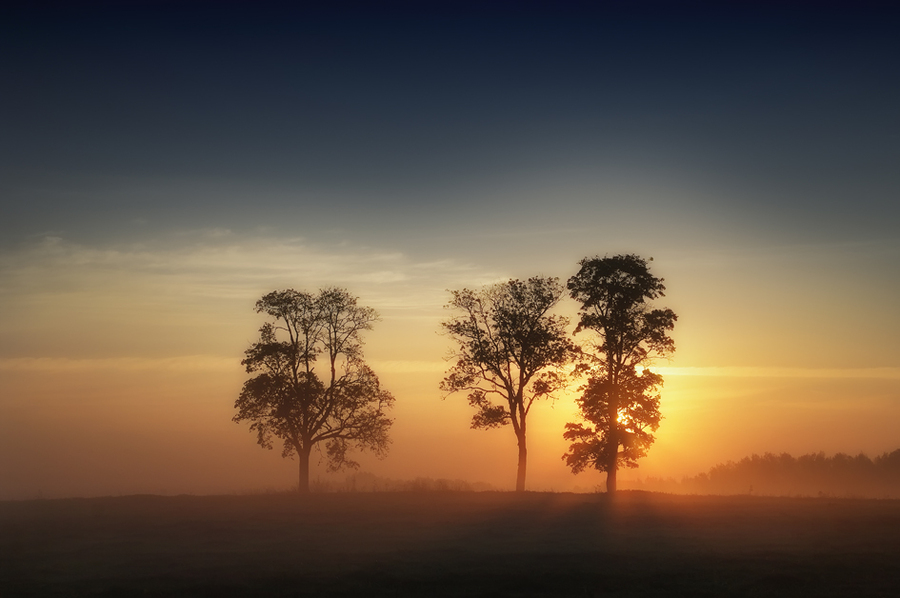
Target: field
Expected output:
[450,544]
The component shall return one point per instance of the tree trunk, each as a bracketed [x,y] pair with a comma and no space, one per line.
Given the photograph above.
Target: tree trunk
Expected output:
[523,456]
[303,458]
[612,462]
[611,480]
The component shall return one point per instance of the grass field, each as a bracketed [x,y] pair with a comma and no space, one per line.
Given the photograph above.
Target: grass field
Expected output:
[450,544]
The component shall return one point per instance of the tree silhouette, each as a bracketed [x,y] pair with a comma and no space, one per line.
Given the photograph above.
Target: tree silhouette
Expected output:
[312,385]
[620,399]
[509,348]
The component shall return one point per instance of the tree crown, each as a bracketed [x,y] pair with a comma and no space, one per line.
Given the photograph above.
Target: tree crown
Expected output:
[508,344]
[614,293]
[302,402]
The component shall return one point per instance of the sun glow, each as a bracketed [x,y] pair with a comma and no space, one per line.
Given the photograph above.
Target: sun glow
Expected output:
[160,349]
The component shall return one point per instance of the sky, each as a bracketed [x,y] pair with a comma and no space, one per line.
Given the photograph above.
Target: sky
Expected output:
[164,165]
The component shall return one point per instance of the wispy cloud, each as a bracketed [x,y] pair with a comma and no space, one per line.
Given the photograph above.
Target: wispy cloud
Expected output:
[184,363]
[188,363]
[228,364]
[218,263]
[192,292]
[408,366]
[889,373]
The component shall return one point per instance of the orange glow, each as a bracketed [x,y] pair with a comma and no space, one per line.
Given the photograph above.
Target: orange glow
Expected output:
[132,389]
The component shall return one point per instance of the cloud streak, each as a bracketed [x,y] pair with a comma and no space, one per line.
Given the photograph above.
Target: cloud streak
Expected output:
[219,264]
[886,373]
[215,363]
[188,293]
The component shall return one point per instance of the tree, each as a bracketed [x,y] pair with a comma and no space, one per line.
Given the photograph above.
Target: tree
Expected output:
[620,399]
[312,384]
[508,348]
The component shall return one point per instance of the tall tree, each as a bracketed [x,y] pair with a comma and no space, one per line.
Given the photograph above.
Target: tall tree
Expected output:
[620,399]
[510,352]
[312,385]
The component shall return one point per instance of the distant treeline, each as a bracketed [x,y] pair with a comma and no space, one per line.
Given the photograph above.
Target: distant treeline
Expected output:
[367,482]
[783,475]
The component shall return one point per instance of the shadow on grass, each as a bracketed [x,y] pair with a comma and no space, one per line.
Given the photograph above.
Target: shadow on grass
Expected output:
[449,544]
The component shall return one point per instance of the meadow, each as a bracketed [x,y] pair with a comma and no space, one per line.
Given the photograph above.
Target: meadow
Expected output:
[450,544]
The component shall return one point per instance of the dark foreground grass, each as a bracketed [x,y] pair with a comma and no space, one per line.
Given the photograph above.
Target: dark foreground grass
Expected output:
[450,544]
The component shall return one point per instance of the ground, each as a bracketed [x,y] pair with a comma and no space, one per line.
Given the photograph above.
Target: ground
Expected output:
[450,544]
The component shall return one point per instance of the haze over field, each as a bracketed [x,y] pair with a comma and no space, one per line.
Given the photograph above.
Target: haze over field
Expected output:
[161,168]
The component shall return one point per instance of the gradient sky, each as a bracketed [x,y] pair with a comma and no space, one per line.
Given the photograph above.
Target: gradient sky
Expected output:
[162,167]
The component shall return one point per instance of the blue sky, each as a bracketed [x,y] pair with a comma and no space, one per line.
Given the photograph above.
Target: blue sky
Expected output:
[310,121]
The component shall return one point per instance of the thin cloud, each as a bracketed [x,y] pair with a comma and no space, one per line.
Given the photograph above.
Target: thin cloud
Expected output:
[193,293]
[887,373]
[408,367]
[221,264]
[188,363]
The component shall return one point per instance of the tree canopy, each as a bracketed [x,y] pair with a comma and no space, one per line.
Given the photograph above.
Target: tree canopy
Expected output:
[510,352]
[312,384]
[620,400]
